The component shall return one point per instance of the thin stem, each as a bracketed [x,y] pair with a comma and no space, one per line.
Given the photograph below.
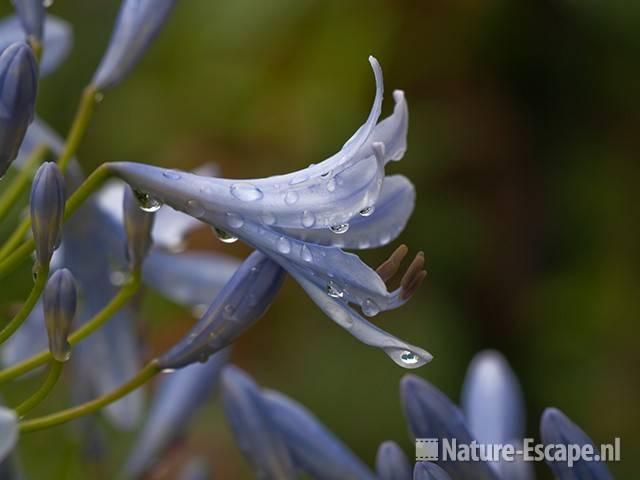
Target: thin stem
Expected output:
[64,416]
[121,298]
[22,180]
[90,185]
[23,313]
[79,126]
[16,237]
[40,394]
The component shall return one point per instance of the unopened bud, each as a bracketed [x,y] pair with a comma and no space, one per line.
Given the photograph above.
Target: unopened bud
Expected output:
[59,306]
[47,210]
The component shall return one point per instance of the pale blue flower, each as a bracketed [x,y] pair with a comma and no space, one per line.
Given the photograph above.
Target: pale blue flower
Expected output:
[298,220]
[138,23]
[392,463]
[429,471]
[8,431]
[31,13]
[57,42]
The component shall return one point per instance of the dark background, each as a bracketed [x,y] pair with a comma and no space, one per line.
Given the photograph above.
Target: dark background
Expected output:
[523,147]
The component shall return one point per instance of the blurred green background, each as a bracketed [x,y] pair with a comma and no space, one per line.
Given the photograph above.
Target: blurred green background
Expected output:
[522,145]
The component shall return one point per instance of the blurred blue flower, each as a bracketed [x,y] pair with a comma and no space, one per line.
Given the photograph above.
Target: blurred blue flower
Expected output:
[58,39]
[18,89]
[301,220]
[176,401]
[392,463]
[31,13]
[8,431]
[138,23]
[429,471]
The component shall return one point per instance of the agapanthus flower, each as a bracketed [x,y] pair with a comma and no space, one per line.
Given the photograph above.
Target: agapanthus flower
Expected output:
[31,13]
[138,23]
[280,438]
[391,462]
[8,431]
[302,219]
[176,401]
[429,471]
[493,413]
[57,42]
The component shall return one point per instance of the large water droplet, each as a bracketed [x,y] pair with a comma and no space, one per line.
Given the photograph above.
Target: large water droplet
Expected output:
[195,208]
[306,254]
[409,357]
[246,192]
[369,308]
[331,185]
[234,220]
[118,278]
[334,291]
[61,353]
[367,211]
[171,175]
[340,228]
[223,236]
[268,218]
[308,219]
[147,202]
[283,245]
[290,198]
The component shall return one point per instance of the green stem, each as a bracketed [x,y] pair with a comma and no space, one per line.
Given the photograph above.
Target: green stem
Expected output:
[79,126]
[16,237]
[22,180]
[90,185]
[23,313]
[127,291]
[64,416]
[35,399]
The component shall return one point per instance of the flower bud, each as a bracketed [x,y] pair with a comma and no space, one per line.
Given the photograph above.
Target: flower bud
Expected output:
[59,306]
[138,225]
[18,87]
[138,23]
[47,210]
[31,13]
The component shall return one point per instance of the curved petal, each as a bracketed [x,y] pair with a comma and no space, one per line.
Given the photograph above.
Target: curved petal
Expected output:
[492,399]
[557,429]
[431,414]
[8,431]
[314,449]
[256,434]
[176,401]
[191,279]
[392,463]
[373,227]
[429,471]
[58,39]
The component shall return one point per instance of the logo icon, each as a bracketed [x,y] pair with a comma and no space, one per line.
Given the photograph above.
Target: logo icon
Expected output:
[427,449]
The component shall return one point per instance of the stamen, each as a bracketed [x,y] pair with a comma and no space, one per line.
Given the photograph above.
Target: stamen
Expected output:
[413,277]
[389,267]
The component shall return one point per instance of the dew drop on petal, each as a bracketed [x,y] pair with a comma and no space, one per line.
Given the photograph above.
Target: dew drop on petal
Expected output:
[223,236]
[306,254]
[98,96]
[234,220]
[331,185]
[290,198]
[367,211]
[325,174]
[146,202]
[283,245]
[340,228]
[385,238]
[364,243]
[298,179]
[47,3]
[333,291]
[246,192]
[117,278]
[168,370]
[369,308]
[171,175]
[195,208]
[268,218]
[409,358]
[308,219]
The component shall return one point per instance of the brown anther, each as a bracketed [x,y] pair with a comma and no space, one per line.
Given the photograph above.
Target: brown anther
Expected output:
[413,277]
[389,267]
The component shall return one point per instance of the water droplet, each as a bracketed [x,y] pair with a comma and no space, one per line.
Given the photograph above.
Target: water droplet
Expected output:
[331,185]
[298,179]
[340,228]
[409,358]
[290,198]
[223,236]
[306,254]
[47,3]
[283,245]
[367,211]
[234,220]
[385,238]
[98,96]
[333,291]
[369,308]
[325,174]
[195,209]
[364,243]
[199,310]
[268,218]
[168,370]
[171,175]
[117,278]
[308,219]
[147,202]
[62,353]
[246,192]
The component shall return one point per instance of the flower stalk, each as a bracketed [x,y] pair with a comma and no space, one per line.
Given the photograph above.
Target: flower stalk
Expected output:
[34,400]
